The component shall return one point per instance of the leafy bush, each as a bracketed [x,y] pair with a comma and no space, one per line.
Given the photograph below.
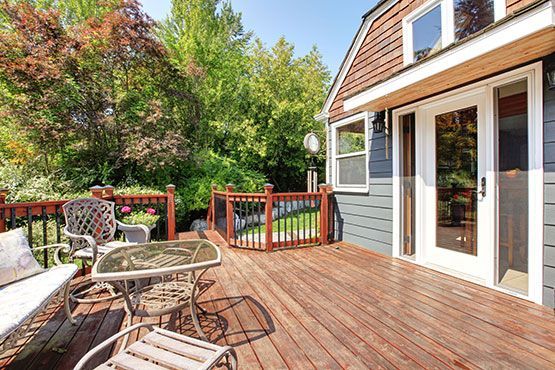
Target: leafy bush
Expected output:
[193,194]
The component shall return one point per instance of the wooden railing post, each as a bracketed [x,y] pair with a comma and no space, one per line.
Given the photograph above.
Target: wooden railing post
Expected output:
[268,189]
[212,210]
[97,191]
[324,214]
[109,192]
[229,215]
[3,195]
[171,211]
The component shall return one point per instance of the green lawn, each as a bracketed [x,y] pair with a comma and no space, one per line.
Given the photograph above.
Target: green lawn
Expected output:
[307,219]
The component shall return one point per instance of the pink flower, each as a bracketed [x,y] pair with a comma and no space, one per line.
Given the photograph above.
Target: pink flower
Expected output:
[125,209]
[151,211]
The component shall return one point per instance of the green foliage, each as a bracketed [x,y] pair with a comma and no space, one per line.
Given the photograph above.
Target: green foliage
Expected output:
[140,218]
[95,92]
[193,194]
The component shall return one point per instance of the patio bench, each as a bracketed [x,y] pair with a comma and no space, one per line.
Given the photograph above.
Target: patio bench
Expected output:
[162,349]
[22,300]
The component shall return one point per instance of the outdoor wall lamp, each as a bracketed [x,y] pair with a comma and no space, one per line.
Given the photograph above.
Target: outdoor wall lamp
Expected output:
[550,75]
[378,123]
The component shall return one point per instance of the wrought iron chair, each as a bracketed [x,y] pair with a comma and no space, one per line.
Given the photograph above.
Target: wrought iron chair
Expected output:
[91,226]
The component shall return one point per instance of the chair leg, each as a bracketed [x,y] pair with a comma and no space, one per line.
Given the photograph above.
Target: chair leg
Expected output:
[67,309]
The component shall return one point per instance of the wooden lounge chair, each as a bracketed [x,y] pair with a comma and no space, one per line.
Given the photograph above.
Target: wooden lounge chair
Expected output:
[161,350]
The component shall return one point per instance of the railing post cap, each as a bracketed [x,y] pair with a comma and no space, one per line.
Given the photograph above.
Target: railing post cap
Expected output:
[4,191]
[268,185]
[96,187]
[109,187]
[170,186]
[214,186]
[229,185]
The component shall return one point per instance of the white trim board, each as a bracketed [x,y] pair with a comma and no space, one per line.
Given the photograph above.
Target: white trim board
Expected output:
[527,24]
[353,51]
[333,156]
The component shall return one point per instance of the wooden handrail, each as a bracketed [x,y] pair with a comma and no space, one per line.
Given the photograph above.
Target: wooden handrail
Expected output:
[243,212]
[54,207]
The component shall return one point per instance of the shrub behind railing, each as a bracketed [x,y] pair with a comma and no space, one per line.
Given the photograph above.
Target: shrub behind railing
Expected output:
[44,221]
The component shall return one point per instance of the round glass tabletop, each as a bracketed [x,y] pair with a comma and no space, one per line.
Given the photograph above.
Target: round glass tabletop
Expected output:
[156,259]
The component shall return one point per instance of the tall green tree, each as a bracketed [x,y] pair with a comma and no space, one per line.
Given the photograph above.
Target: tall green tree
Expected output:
[101,94]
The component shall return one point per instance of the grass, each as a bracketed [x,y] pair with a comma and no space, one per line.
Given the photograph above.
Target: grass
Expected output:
[305,220]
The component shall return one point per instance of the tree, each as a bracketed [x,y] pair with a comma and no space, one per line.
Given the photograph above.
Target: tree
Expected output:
[284,94]
[101,94]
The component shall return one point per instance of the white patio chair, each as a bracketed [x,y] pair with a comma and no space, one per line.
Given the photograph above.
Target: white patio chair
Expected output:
[91,226]
[22,300]
[162,349]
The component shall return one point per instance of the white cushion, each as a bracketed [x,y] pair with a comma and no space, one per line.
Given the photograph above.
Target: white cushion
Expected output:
[102,249]
[16,258]
[20,300]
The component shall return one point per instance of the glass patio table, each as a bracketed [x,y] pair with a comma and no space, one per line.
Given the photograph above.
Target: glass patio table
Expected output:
[160,278]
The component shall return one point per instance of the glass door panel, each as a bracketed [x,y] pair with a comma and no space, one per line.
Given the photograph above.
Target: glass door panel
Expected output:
[456,180]
[512,186]
[408,171]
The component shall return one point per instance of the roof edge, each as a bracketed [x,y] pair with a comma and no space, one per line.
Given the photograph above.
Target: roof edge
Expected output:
[379,9]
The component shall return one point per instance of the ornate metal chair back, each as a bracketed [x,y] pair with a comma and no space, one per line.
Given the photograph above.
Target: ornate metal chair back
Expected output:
[93,217]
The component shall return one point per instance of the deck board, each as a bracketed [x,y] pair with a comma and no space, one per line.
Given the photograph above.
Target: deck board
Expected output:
[324,307]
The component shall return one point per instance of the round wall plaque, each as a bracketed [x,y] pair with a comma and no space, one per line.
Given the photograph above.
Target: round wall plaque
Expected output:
[312,143]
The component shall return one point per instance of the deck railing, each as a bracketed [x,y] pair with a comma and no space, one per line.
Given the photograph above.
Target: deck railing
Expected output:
[269,221]
[47,216]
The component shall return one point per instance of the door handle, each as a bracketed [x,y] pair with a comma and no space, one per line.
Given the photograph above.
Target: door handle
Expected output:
[483,187]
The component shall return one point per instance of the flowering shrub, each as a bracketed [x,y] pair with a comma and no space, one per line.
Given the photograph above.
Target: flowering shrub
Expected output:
[148,217]
[461,198]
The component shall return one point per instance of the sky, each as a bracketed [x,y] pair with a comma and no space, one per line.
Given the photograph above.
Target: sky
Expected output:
[328,24]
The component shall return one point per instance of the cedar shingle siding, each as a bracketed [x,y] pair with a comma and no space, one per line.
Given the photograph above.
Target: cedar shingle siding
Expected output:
[381,53]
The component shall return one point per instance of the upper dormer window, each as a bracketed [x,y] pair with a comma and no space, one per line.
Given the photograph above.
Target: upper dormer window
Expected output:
[472,16]
[426,33]
[438,23]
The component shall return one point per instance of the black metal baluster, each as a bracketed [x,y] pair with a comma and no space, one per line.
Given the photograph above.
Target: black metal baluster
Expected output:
[165,212]
[12,218]
[259,226]
[58,227]
[44,234]
[252,221]
[298,220]
[285,223]
[240,221]
[279,221]
[234,205]
[304,219]
[310,218]
[30,225]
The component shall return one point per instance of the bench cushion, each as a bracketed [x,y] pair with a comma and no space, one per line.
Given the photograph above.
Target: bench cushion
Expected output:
[16,258]
[22,299]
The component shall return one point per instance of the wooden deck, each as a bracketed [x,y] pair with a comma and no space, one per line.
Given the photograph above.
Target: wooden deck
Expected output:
[328,307]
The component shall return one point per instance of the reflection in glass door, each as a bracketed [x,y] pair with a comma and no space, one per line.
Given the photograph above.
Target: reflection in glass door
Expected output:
[512,186]
[456,180]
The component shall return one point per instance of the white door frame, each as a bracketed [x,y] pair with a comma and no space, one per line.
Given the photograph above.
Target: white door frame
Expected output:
[533,73]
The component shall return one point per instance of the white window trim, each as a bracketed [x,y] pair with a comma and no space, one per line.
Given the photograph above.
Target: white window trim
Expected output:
[522,26]
[334,156]
[447,24]
[533,72]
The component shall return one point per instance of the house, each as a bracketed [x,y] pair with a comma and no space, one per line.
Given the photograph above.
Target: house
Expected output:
[441,140]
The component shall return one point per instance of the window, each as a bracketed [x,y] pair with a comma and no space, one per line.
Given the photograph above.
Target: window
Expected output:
[426,34]
[349,153]
[439,23]
[472,16]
